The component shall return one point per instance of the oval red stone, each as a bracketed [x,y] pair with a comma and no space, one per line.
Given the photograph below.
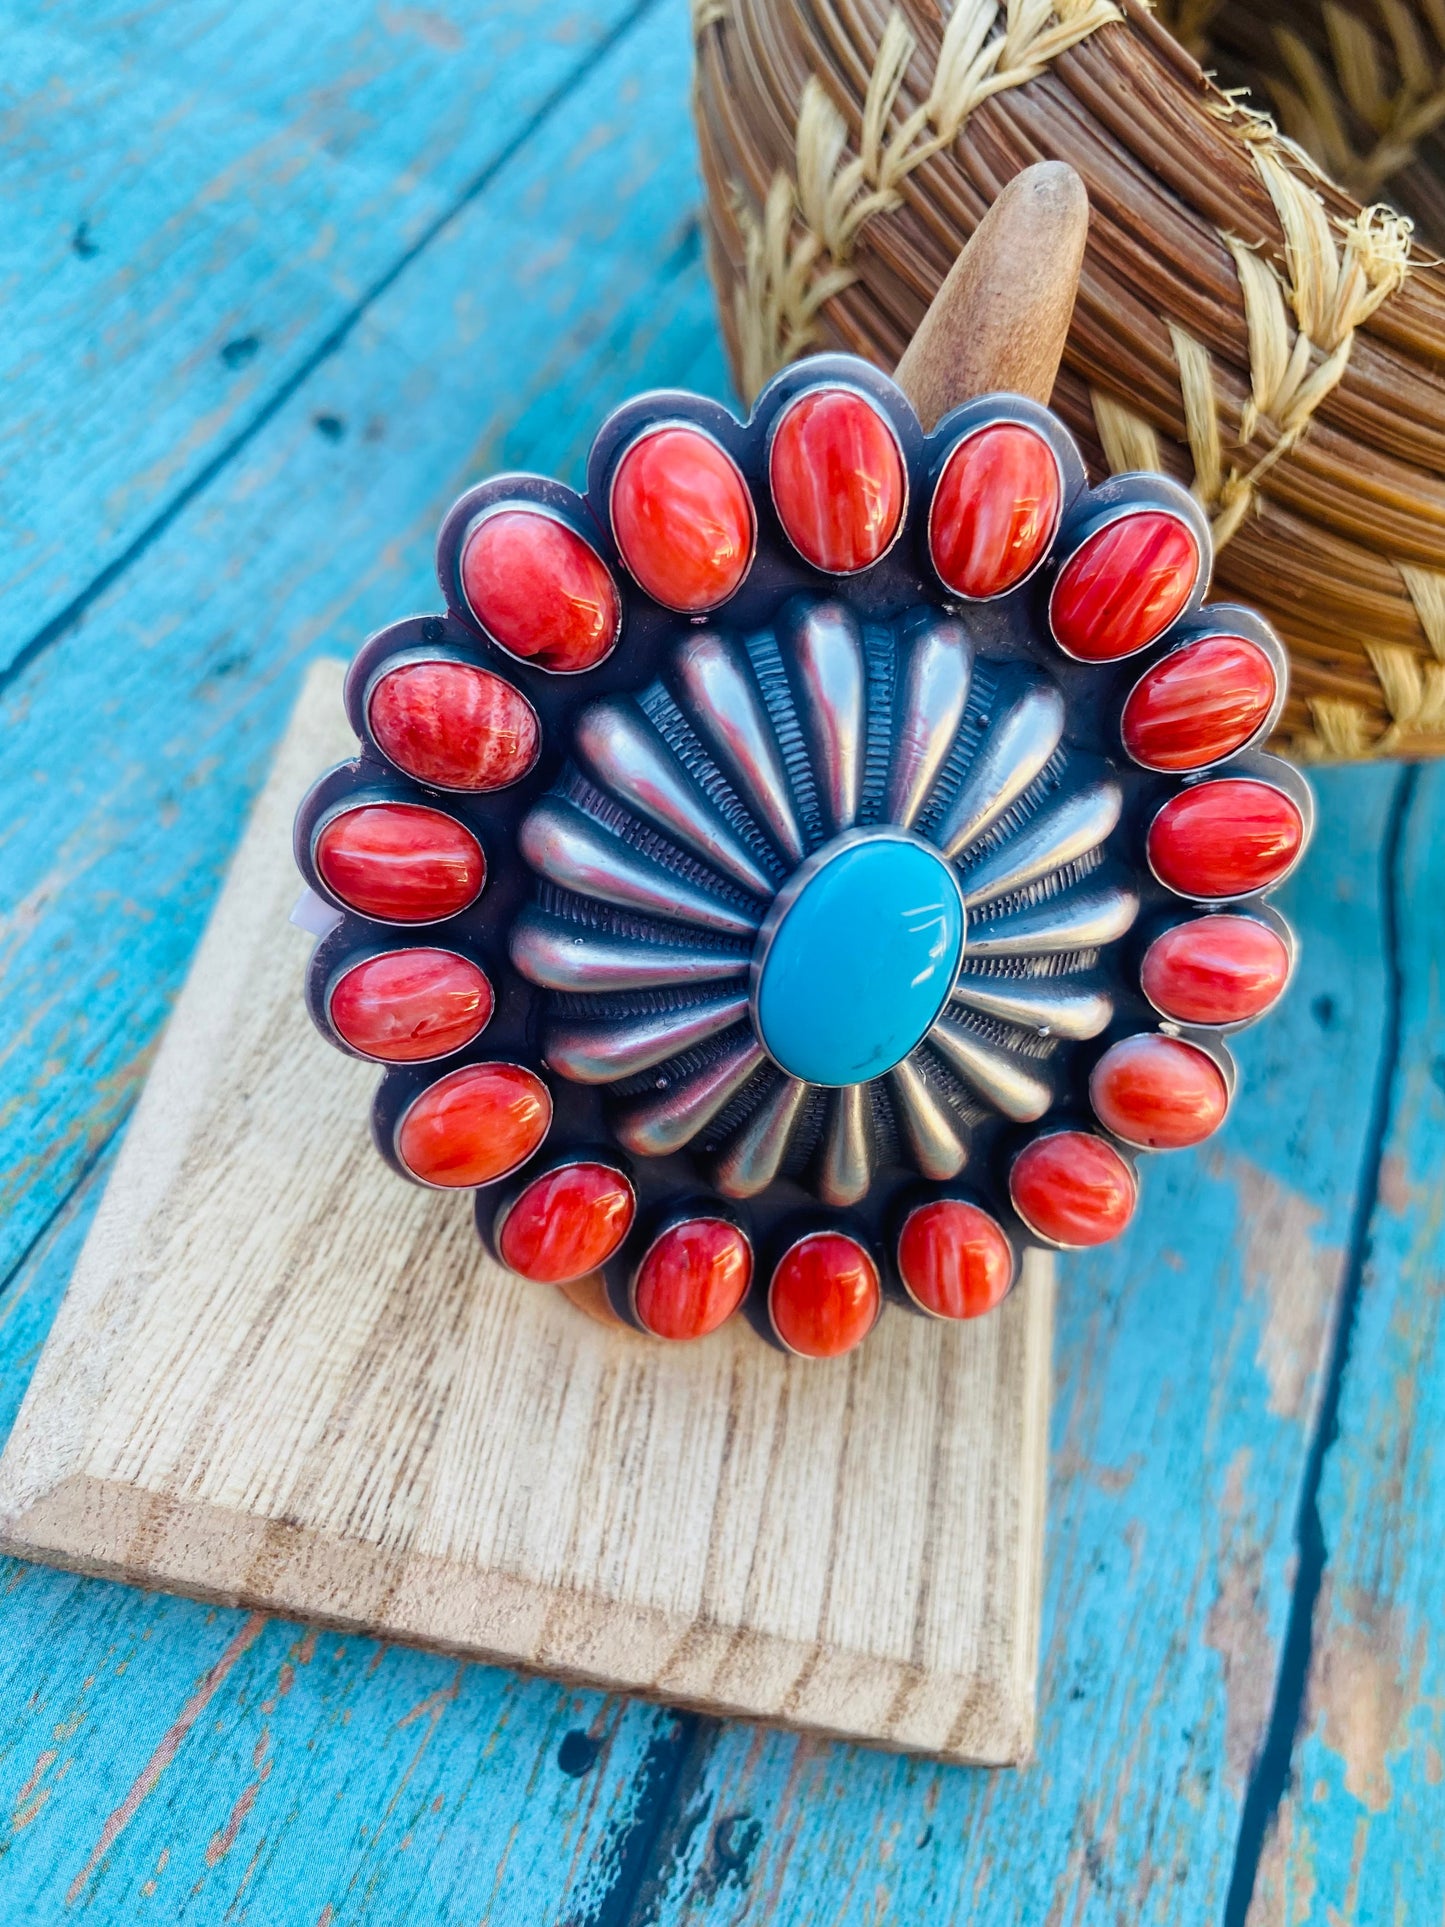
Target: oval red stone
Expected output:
[1225,839]
[1201,702]
[683,518]
[995,510]
[1124,585]
[410,1005]
[566,1223]
[1215,970]
[1073,1189]
[540,591]
[1158,1092]
[824,1297]
[693,1279]
[474,1125]
[400,862]
[954,1260]
[836,472]
[454,725]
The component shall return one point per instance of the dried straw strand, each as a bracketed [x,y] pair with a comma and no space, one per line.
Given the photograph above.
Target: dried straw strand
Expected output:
[799,255]
[1291,374]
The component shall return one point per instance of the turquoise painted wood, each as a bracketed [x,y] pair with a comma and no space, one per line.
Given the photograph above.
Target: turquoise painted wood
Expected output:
[160,1761]
[1359,1837]
[140,737]
[198,198]
[163,1757]
[1187,1387]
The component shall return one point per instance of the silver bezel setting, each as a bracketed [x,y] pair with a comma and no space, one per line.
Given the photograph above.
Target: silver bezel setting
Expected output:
[1270,772]
[490,1063]
[807,1237]
[839,388]
[813,866]
[971,434]
[406,659]
[1107,518]
[646,434]
[349,808]
[527,505]
[339,976]
[1093,1129]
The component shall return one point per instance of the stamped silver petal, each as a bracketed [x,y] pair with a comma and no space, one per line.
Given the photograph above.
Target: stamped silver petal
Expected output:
[1062,832]
[1082,918]
[826,652]
[936,678]
[1022,737]
[561,955]
[934,1138]
[717,689]
[755,1155]
[1056,1006]
[621,750]
[846,1169]
[657,1125]
[1012,1084]
[567,847]
[602,1051]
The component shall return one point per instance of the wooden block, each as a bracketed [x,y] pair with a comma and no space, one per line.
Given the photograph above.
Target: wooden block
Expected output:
[282,1378]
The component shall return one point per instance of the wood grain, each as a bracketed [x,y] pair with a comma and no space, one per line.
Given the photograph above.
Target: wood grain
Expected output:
[1188,1375]
[138,741]
[1357,1836]
[200,201]
[281,1378]
[347,1782]
[1001,316]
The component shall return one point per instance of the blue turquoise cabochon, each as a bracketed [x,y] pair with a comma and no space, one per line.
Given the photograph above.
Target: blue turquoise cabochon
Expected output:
[860,960]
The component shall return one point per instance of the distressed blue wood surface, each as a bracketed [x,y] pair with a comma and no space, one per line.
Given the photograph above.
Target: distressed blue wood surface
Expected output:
[198,196]
[139,738]
[1360,1836]
[162,1761]
[1187,1370]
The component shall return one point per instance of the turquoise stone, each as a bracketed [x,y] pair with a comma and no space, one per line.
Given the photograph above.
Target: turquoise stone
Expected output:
[857,957]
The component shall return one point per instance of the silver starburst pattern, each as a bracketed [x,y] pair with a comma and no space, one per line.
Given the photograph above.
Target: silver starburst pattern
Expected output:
[691,810]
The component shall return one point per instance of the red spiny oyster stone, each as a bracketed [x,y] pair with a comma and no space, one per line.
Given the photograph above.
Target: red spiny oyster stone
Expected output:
[454,725]
[1073,1189]
[1225,839]
[995,510]
[400,862]
[566,1223]
[824,1296]
[474,1125]
[953,1259]
[1203,701]
[693,1279]
[410,1005]
[836,472]
[540,591]
[1158,1092]
[1215,970]
[683,518]
[1124,585]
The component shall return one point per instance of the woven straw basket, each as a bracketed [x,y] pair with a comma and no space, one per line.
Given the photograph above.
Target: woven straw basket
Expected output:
[1244,321]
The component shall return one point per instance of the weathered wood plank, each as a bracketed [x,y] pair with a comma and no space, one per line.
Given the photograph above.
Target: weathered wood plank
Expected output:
[1188,1372]
[138,748]
[1359,1832]
[138,742]
[280,1379]
[196,198]
[211,1765]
